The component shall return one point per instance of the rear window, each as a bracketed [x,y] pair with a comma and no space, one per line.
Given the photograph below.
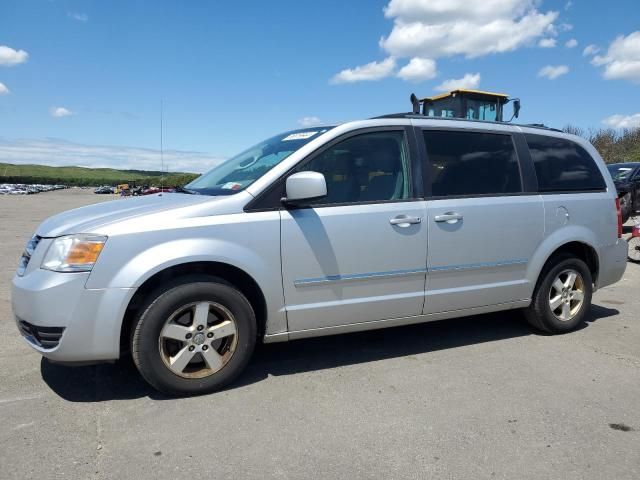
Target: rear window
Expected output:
[563,166]
[471,163]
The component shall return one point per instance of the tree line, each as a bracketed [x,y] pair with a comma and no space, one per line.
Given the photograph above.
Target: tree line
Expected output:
[171,180]
[614,146]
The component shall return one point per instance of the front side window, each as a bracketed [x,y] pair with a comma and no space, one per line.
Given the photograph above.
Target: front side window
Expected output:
[471,163]
[364,168]
[239,172]
[562,165]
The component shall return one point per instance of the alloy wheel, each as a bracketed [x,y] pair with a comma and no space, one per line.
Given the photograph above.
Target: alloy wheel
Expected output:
[566,296]
[198,339]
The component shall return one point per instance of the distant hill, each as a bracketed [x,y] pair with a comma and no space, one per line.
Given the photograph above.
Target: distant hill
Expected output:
[83,176]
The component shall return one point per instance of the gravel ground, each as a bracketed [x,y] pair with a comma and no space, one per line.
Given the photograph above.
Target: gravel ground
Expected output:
[473,398]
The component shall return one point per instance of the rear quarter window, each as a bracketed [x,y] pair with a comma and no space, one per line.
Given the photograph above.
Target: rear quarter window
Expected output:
[563,166]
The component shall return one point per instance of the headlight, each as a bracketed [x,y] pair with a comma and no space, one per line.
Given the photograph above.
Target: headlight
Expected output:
[73,253]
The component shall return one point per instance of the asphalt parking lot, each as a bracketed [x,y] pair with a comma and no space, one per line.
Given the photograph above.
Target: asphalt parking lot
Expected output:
[473,398]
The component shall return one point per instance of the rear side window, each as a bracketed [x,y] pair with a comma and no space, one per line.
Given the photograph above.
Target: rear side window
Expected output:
[562,165]
[471,163]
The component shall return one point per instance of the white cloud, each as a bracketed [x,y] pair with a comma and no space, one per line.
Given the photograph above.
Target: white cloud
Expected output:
[309,121]
[368,72]
[3,89]
[547,42]
[552,72]
[622,60]
[432,29]
[81,17]
[573,43]
[10,57]
[590,50]
[468,81]
[448,10]
[623,121]
[56,152]
[59,112]
[568,5]
[418,70]
[440,28]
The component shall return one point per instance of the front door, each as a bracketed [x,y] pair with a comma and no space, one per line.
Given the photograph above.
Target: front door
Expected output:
[359,254]
[483,228]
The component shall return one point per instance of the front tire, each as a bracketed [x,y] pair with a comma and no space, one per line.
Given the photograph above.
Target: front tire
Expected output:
[194,336]
[562,297]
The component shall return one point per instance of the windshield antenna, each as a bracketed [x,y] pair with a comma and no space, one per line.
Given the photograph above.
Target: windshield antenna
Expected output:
[161,150]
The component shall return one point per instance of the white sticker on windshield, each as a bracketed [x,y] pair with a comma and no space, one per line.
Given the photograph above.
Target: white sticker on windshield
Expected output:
[299,136]
[231,186]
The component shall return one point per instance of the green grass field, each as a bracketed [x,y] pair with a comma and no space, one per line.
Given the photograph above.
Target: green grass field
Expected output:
[10,173]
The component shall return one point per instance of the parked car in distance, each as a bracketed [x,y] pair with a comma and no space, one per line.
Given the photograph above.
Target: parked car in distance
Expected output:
[376,223]
[626,177]
[27,189]
[152,190]
[104,189]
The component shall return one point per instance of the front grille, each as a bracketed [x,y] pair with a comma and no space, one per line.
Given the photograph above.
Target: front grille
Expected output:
[45,337]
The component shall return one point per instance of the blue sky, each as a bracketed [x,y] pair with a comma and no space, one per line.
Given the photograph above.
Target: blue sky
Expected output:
[81,81]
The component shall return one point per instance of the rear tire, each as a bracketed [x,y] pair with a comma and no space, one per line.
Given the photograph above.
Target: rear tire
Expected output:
[562,296]
[194,336]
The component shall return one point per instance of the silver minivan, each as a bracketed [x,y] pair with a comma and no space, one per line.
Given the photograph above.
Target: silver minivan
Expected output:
[369,224]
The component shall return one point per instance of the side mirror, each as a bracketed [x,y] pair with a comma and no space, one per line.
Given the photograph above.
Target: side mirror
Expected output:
[305,186]
[516,108]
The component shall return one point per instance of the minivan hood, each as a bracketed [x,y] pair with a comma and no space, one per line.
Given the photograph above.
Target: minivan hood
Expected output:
[86,219]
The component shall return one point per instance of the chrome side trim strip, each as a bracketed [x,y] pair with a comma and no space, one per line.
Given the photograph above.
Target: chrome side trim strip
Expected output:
[332,279]
[307,282]
[475,266]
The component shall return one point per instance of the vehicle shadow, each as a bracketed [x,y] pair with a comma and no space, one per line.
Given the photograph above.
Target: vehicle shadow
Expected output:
[121,381]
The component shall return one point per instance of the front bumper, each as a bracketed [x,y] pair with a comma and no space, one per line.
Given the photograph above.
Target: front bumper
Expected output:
[89,319]
[613,263]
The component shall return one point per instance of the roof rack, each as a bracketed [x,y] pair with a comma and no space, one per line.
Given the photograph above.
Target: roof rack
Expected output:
[419,116]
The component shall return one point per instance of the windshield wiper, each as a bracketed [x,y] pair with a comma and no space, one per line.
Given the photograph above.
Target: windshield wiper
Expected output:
[180,189]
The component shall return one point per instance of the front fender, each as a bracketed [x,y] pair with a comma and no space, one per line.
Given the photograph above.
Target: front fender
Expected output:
[142,266]
[249,244]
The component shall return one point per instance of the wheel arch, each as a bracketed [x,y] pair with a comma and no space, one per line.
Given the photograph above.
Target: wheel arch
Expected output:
[581,246]
[584,252]
[231,274]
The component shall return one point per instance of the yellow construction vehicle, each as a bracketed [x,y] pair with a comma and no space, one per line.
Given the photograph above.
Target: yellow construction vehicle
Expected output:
[122,187]
[468,104]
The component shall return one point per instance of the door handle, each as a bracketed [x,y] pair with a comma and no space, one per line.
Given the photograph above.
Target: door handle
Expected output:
[449,217]
[404,220]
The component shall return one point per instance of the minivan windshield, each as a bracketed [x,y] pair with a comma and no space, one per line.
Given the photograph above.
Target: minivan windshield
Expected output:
[240,171]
